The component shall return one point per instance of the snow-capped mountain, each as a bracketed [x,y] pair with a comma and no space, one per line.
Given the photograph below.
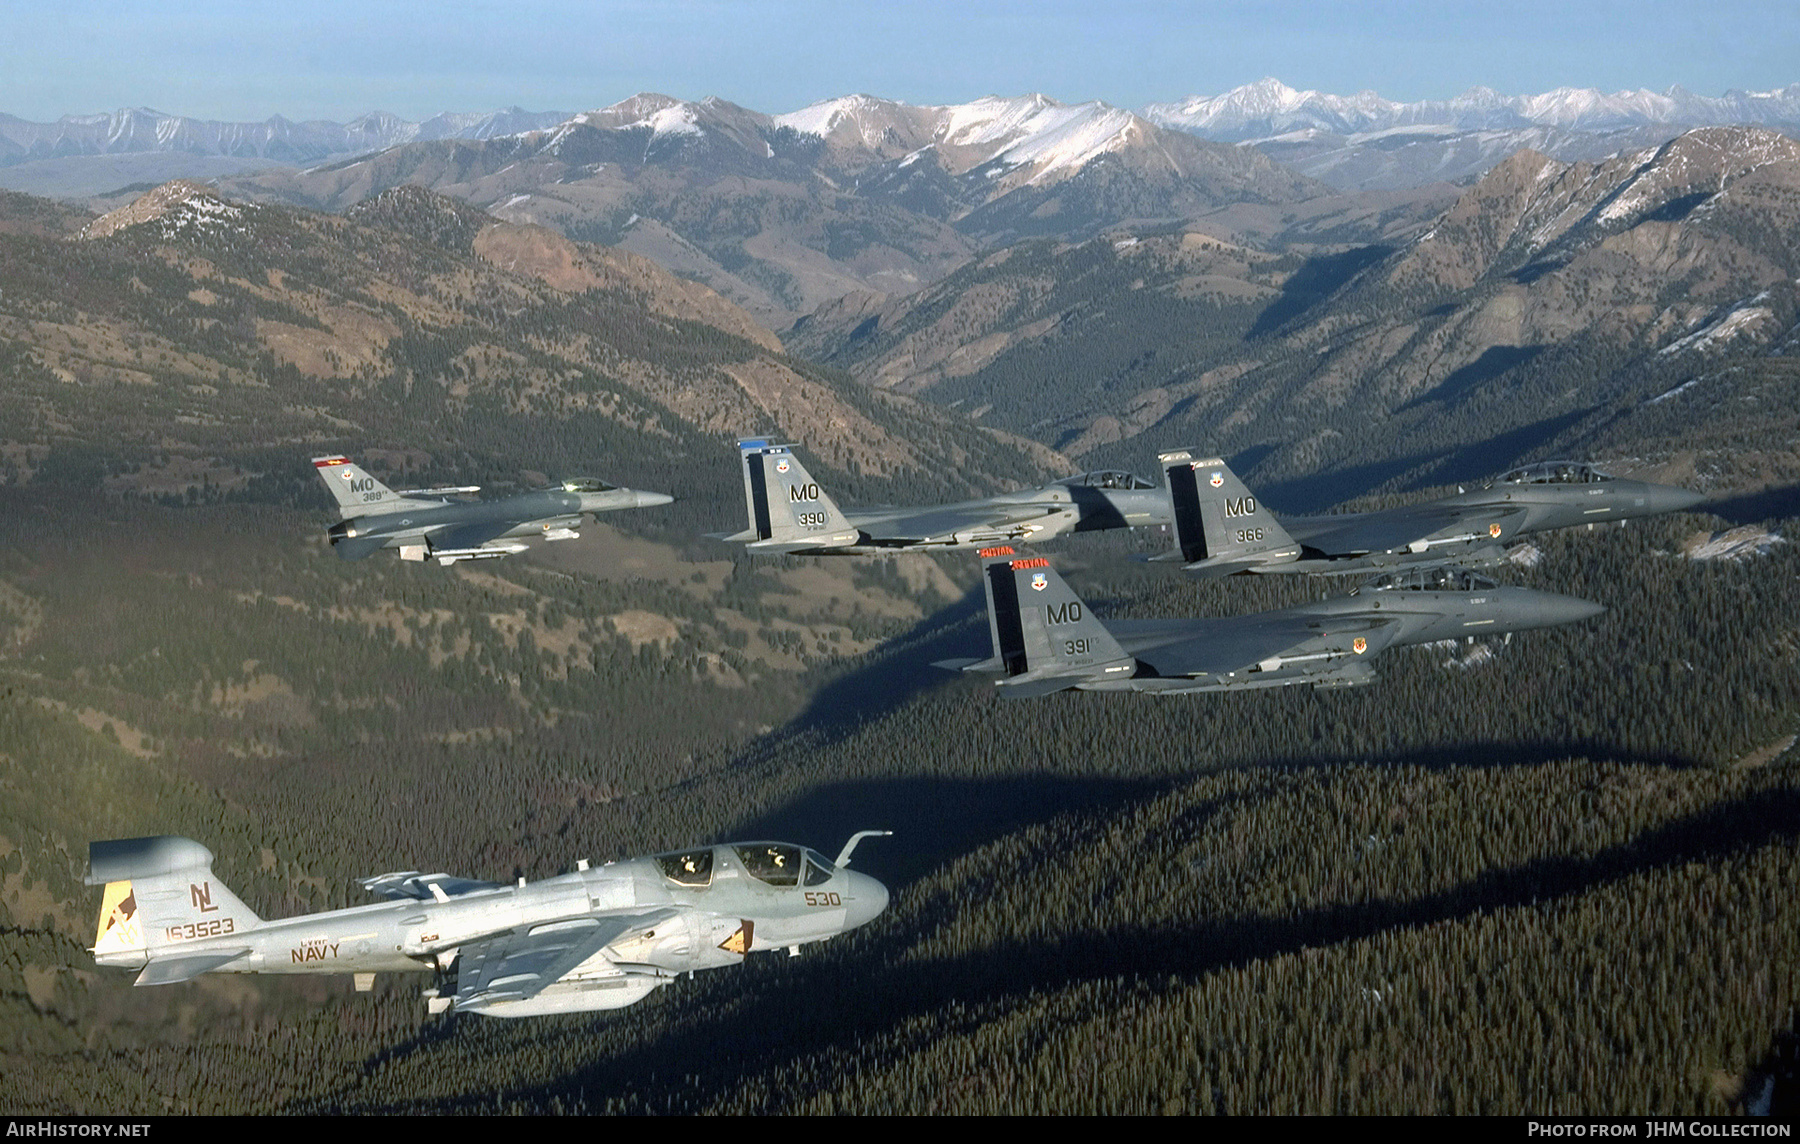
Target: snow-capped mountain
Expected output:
[782,213]
[1366,142]
[1270,108]
[143,129]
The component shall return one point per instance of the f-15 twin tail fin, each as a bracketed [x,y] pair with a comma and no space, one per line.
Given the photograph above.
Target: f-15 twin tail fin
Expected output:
[1044,638]
[1220,527]
[788,511]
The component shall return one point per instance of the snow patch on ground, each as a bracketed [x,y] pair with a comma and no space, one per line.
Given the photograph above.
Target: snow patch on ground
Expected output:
[1733,544]
[1478,656]
[1743,318]
[1525,556]
[1682,388]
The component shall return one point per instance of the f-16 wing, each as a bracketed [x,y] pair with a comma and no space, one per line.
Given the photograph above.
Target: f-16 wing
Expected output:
[1418,527]
[520,964]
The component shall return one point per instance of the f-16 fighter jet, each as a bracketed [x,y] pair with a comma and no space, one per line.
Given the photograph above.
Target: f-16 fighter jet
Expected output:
[599,938]
[1045,639]
[1222,529]
[790,513]
[425,524]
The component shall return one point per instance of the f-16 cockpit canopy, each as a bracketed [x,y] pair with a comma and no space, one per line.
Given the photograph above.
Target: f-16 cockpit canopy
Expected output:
[586,485]
[1556,473]
[1107,479]
[1442,578]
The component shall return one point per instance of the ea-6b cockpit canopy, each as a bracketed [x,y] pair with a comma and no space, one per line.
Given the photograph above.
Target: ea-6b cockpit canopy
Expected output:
[586,485]
[1556,473]
[1107,479]
[772,863]
[1443,578]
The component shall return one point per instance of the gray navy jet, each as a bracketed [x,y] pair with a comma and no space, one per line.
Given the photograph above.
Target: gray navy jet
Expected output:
[1221,529]
[790,513]
[599,938]
[426,524]
[1046,640]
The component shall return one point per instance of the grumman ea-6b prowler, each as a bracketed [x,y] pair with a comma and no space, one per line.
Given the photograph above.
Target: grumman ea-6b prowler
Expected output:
[790,514]
[1045,639]
[599,938]
[426,524]
[1221,529]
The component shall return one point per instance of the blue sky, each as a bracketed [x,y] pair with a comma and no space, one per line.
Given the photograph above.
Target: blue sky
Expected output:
[329,59]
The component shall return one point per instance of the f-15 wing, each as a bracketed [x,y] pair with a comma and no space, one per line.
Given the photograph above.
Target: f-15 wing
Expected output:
[520,964]
[1267,642]
[1419,527]
[949,523]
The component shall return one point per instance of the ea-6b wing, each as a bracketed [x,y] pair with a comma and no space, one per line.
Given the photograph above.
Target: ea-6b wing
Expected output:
[598,938]
[788,511]
[1045,639]
[1221,529]
[426,524]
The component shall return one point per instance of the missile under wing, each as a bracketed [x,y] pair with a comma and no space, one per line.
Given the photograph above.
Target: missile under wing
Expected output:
[1045,639]
[1222,529]
[598,938]
[427,524]
[788,511]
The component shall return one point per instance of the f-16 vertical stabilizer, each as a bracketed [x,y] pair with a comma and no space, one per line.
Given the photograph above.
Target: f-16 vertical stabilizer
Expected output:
[1219,525]
[160,894]
[359,494]
[1044,637]
[788,510]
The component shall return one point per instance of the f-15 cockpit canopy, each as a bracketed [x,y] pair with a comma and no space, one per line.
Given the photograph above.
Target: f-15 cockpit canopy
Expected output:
[773,863]
[1442,578]
[1556,473]
[1106,479]
[586,485]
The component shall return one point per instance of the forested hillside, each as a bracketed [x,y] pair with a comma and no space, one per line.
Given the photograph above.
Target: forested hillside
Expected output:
[1580,840]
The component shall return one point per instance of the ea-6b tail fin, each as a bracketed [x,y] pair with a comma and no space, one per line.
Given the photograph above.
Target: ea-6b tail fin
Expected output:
[788,510]
[160,895]
[359,494]
[1219,525]
[1044,637]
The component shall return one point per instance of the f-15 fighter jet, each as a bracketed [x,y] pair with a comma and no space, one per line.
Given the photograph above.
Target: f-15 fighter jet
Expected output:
[599,938]
[1045,639]
[425,524]
[1222,529]
[790,513]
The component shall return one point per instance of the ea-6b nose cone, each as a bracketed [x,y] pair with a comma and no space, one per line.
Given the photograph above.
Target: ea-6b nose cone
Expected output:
[870,898]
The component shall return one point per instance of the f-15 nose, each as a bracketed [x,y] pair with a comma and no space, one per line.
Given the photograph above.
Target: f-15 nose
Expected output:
[1550,609]
[1670,498]
[865,901]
